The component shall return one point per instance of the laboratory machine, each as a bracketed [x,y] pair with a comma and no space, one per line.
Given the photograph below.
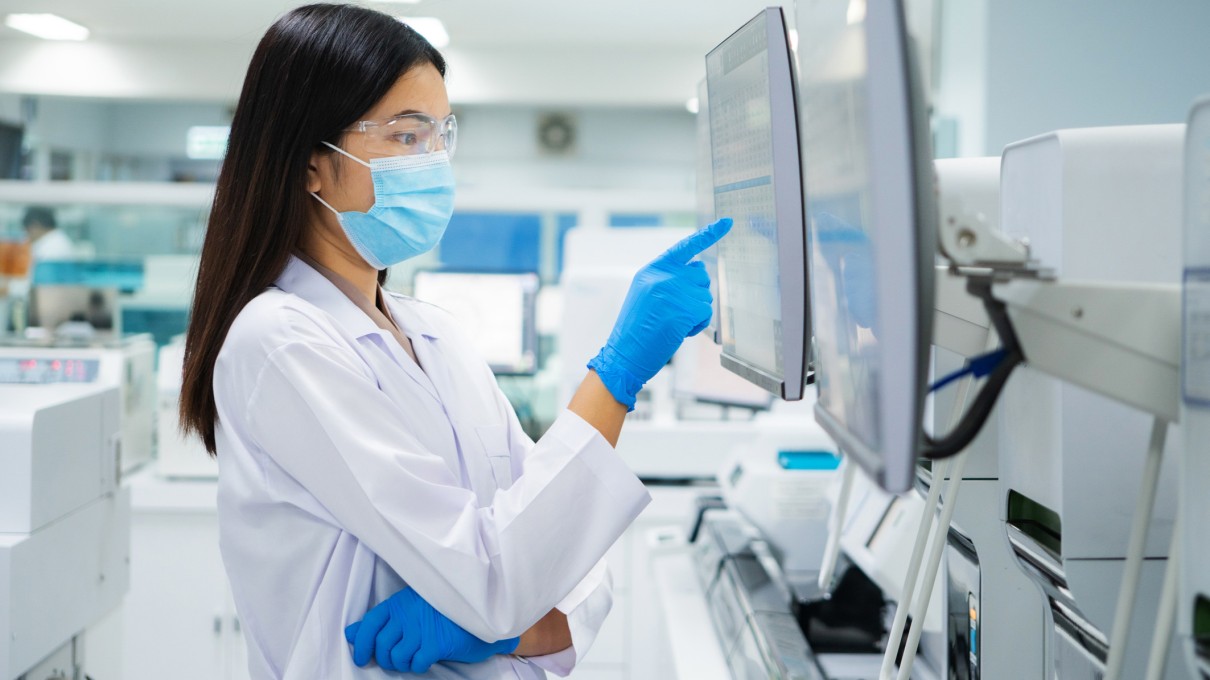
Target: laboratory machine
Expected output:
[756,554]
[1076,424]
[994,620]
[161,306]
[177,456]
[64,516]
[763,324]
[1193,599]
[124,362]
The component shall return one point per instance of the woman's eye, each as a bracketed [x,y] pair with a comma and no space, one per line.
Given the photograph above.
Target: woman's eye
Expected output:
[407,138]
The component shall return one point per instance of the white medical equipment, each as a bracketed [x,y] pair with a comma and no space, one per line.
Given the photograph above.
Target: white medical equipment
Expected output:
[64,518]
[994,619]
[127,363]
[176,454]
[782,486]
[1192,597]
[1100,208]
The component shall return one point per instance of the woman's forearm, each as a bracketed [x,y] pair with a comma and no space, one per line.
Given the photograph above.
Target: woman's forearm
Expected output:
[547,636]
[593,402]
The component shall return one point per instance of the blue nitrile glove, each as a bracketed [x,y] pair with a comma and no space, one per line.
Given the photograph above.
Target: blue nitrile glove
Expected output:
[669,300]
[404,633]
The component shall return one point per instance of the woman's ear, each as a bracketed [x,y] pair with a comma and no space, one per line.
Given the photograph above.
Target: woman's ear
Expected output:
[314,176]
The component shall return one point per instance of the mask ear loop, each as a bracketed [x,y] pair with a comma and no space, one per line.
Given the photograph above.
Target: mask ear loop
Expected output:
[325,204]
[339,150]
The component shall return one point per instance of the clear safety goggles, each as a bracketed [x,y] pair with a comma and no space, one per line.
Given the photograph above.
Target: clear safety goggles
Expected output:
[407,134]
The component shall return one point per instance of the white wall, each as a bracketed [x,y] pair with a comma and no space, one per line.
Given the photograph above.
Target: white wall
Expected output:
[644,148]
[1011,69]
[961,70]
[615,148]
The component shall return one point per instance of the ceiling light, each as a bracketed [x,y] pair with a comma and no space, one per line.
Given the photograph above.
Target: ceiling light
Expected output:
[692,105]
[47,26]
[856,13]
[431,28]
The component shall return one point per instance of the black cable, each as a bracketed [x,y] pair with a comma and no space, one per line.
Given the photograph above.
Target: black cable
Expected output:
[980,410]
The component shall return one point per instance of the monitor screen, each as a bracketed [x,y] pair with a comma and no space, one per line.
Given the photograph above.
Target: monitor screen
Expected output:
[868,176]
[756,174]
[497,311]
[705,200]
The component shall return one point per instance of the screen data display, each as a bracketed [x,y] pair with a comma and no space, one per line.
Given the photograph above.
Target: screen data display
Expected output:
[496,310]
[705,200]
[756,180]
[41,371]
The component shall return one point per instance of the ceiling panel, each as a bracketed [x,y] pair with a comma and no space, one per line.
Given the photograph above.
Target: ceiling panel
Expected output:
[471,23]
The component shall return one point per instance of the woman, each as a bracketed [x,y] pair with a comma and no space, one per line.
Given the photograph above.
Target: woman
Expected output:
[368,460]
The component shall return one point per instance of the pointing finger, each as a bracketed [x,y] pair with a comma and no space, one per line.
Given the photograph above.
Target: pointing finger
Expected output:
[693,245]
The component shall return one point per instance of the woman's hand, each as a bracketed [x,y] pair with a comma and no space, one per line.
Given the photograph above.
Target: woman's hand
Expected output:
[404,633]
[669,300]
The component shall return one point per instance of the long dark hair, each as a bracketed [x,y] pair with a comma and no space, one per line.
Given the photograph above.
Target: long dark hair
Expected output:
[317,70]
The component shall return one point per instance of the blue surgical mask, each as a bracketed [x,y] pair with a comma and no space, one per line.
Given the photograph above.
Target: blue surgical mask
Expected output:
[413,203]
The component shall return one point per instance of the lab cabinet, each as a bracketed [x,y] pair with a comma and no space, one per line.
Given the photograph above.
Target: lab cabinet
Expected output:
[178,619]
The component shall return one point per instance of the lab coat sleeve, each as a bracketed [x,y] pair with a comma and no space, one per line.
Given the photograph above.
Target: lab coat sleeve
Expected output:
[586,608]
[588,604]
[317,412]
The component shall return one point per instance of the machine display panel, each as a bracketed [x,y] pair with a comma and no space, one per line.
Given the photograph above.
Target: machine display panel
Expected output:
[45,371]
[867,173]
[763,323]
[497,310]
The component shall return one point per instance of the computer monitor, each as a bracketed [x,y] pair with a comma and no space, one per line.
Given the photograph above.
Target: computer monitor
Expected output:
[700,376]
[755,169]
[498,311]
[871,220]
[705,200]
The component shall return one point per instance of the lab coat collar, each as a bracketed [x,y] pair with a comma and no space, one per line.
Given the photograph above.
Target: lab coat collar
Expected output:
[300,279]
[410,314]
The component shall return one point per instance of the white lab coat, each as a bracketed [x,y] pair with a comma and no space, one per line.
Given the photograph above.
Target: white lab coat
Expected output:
[346,471]
[54,245]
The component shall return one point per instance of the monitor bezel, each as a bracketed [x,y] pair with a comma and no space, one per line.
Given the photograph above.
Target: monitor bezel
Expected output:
[789,201]
[904,213]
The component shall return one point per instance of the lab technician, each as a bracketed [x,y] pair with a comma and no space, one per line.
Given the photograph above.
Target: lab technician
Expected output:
[47,242]
[370,467]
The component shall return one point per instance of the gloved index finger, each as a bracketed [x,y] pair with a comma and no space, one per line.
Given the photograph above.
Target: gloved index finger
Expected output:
[693,245]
